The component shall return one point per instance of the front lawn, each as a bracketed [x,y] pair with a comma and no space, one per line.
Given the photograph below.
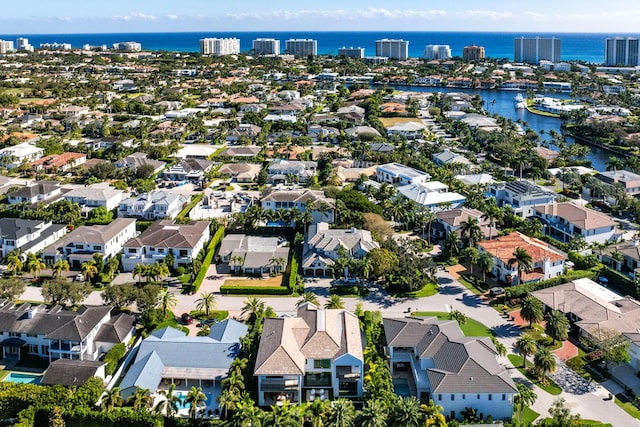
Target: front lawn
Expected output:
[471,328]
[472,283]
[550,387]
[529,416]
[429,290]
[271,281]
[622,401]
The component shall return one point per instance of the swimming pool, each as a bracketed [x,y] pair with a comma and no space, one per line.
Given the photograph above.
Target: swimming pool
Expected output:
[401,387]
[184,405]
[21,378]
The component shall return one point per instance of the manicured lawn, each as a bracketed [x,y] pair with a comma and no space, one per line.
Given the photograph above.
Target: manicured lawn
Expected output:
[529,416]
[271,281]
[470,285]
[537,332]
[3,374]
[551,388]
[471,328]
[623,402]
[185,278]
[219,315]
[428,291]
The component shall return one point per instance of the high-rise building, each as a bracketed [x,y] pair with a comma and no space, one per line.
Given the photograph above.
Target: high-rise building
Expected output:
[622,51]
[219,47]
[127,46]
[266,47]
[55,46]
[22,45]
[351,52]
[533,50]
[437,51]
[473,53]
[6,46]
[392,48]
[301,47]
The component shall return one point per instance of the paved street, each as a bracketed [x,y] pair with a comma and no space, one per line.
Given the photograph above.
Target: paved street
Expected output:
[452,296]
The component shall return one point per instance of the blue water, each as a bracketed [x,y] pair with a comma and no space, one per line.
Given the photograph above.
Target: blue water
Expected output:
[184,405]
[15,377]
[587,47]
[401,387]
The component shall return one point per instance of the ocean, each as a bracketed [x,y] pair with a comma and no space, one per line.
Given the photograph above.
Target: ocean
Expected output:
[588,47]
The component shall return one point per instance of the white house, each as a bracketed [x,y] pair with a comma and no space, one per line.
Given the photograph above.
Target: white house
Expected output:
[397,174]
[153,205]
[29,236]
[522,196]
[322,207]
[433,195]
[280,170]
[566,221]
[41,191]
[95,195]
[254,254]
[15,155]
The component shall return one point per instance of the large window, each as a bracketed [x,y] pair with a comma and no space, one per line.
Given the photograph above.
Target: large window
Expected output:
[317,379]
[322,363]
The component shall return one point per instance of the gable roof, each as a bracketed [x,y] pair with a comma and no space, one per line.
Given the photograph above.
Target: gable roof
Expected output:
[168,234]
[579,216]
[116,329]
[70,373]
[228,331]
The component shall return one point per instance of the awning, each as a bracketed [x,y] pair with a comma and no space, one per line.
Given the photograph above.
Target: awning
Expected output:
[13,342]
[348,372]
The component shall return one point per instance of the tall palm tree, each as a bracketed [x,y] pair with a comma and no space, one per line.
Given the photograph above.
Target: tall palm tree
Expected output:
[309,297]
[206,302]
[284,415]
[234,384]
[470,231]
[111,399]
[526,345]
[89,269]
[523,260]
[196,398]
[532,310]
[557,325]
[471,255]
[615,163]
[60,266]
[169,405]
[485,262]
[141,399]
[545,362]
[227,401]
[239,365]
[342,414]
[160,271]
[334,302]
[406,413]
[35,265]
[166,300]
[254,308]
[452,243]
[14,262]
[525,397]
[317,413]
[247,414]
[492,214]
[374,414]
[139,271]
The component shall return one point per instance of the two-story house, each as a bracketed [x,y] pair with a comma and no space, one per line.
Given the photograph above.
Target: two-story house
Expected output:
[546,261]
[433,360]
[38,192]
[566,221]
[59,162]
[628,180]
[54,333]
[153,205]
[433,195]
[451,220]
[282,171]
[135,160]
[94,196]
[14,156]
[164,237]
[522,196]
[27,235]
[322,207]
[397,174]
[254,254]
[80,245]
[246,131]
[192,170]
[315,355]
[322,246]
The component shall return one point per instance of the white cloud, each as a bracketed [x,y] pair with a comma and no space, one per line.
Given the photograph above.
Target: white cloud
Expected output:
[172,16]
[136,16]
[370,13]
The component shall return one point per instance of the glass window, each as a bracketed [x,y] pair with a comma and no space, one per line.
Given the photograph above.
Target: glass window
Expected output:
[322,363]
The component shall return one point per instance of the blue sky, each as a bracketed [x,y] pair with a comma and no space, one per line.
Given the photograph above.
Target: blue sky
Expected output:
[113,16]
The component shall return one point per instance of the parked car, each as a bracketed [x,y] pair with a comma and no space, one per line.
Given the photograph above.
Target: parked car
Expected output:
[79,277]
[495,291]
[351,280]
[186,319]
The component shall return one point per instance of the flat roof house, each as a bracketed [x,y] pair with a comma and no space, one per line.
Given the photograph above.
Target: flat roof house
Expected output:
[322,207]
[397,174]
[522,196]
[628,180]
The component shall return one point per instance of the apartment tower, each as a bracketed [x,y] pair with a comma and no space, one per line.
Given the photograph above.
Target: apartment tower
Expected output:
[266,47]
[534,50]
[622,51]
[392,48]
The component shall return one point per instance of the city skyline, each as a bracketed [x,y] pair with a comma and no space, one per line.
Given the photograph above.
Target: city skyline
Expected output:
[118,16]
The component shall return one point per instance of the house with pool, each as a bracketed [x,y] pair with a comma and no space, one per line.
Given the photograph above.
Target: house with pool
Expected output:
[432,359]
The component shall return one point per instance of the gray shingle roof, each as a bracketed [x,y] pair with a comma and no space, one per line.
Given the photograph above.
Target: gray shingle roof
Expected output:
[167,234]
[70,372]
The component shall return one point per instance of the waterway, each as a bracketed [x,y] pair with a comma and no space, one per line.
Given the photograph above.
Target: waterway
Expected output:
[501,102]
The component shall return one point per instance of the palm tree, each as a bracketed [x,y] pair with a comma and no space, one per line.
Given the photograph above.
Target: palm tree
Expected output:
[60,266]
[14,262]
[139,271]
[111,399]
[334,302]
[237,261]
[526,345]
[169,405]
[284,415]
[545,362]
[374,414]
[524,261]
[89,270]
[406,413]
[557,326]
[452,243]
[532,310]
[458,316]
[615,163]
[247,414]
[471,255]
[234,384]
[525,397]
[35,265]
[141,399]
[239,365]
[317,413]
[485,262]
[470,231]
[166,300]
[196,398]
[206,302]
[160,270]
[309,297]
[342,414]
[492,214]
[254,308]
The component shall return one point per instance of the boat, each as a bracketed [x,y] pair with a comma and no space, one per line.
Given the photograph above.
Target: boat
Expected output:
[519,102]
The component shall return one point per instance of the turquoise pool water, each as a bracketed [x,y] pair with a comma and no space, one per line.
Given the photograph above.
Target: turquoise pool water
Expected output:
[183,397]
[15,377]
[401,387]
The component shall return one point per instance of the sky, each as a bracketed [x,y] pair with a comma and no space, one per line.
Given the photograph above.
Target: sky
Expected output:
[122,16]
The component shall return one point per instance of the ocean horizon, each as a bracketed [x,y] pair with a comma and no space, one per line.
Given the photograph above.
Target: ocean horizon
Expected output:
[587,47]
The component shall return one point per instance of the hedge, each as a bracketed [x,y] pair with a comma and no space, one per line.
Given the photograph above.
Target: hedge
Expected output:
[254,290]
[113,356]
[81,417]
[194,201]
[211,250]
[620,283]
[520,290]
[292,276]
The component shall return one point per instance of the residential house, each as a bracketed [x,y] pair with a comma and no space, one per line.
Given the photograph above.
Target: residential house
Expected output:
[59,162]
[321,248]
[408,130]
[241,152]
[282,171]
[481,179]
[73,373]
[567,221]
[183,241]
[169,356]
[254,254]
[322,207]
[357,132]
[94,196]
[397,174]
[38,192]
[315,355]
[623,257]
[451,220]
[196,151]
[319,133]
[191,170]
[153,205]
[27,235]
[435,361]
[522,196]
[15,155]
[245,131]
[241,172]
[433,195]
[107,142]
[82,243]
[628,180]
[546,261]
[351,114]
[135,160]
[54,333]
[448,157]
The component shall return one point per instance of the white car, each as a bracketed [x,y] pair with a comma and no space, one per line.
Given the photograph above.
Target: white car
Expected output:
[79,277]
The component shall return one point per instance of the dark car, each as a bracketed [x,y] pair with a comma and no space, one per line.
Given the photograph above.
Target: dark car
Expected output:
[186,319]
[495,291]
